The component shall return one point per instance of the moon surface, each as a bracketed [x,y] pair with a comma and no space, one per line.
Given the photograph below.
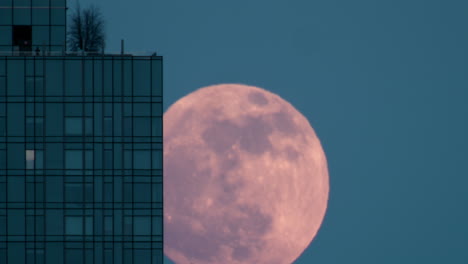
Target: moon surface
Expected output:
[245,178]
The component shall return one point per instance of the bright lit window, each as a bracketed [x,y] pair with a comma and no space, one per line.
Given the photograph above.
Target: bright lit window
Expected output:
[30,157]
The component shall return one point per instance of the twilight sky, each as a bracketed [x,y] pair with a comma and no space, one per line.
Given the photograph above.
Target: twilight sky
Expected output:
[383,83]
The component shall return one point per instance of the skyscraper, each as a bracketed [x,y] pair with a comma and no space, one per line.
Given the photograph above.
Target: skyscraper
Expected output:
[80,146]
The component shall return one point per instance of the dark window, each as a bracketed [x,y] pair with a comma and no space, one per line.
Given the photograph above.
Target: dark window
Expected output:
[22,37]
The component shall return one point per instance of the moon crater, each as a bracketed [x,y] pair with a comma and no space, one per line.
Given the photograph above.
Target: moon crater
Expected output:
[245,178]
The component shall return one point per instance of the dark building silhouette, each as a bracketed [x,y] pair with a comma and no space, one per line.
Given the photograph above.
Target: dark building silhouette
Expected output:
[80,146]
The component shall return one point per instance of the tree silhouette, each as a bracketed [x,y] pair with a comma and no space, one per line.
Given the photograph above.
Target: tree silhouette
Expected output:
[86,32]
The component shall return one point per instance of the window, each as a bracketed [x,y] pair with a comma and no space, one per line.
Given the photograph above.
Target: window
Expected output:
[142,126]
[74,256]
[74,225]
[141,159]
[141,226]
[108,228]
[22,35]
[2,127]
[16,188]
[142,192]
[39,127]
[74,159]
[89,225]
[108,126]
[73,192]
[88,126]
[30,158]
[29,126]
[73,126]
[39,159]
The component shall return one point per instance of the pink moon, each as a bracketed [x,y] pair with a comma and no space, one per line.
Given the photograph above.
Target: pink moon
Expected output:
[245,178]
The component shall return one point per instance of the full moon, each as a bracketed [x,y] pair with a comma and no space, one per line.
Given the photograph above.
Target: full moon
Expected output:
[245,178]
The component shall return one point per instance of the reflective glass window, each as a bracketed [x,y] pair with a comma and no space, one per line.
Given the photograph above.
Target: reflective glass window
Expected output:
[54,77]
[74,256]
[16,186]
[108,227]
[141,226]
[22,16]
[88,225]
[142,78]
[142,126]
[142,192]
[30,157]
[57,16]
[40,37]
[5,16]
[73,126]
[141,159]
[74,225]
[73,192]
[142,256]
[40,16]
[57,36]
[74,159]
[73,78]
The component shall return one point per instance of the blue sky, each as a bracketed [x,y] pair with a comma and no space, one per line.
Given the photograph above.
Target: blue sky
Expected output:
[383,83]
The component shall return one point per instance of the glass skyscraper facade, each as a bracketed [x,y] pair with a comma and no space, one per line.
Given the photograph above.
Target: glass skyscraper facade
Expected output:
[80,146]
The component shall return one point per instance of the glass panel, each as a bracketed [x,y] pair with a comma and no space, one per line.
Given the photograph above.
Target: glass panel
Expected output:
[2,127]
[74,225]
[39,159]
[74,256]
[156,127]
[30,159]
[108,228]
[54,77]
[6,35]
[142,78]
[141,226]
[141,109]
[5,16]
[16,185]
[73,126]
[29,86]
[89,126]
[54,115]
[22,16]
[74,159]
[108,159]
[142,192]
[57,16]
[142,256]
[157,225]
[88,225]
[89,159]
[157,159]
[57,36]
[54,189]
[16,119]
[73,109]
[141,159]
[73,192]
[39,129]
[73,78]
[40,16]
[157,78]
[108,126]
[142,126]
[40,35]
[40,3]
[15,77]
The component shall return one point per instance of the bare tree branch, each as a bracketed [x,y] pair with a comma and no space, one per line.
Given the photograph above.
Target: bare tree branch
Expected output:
[86,31]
